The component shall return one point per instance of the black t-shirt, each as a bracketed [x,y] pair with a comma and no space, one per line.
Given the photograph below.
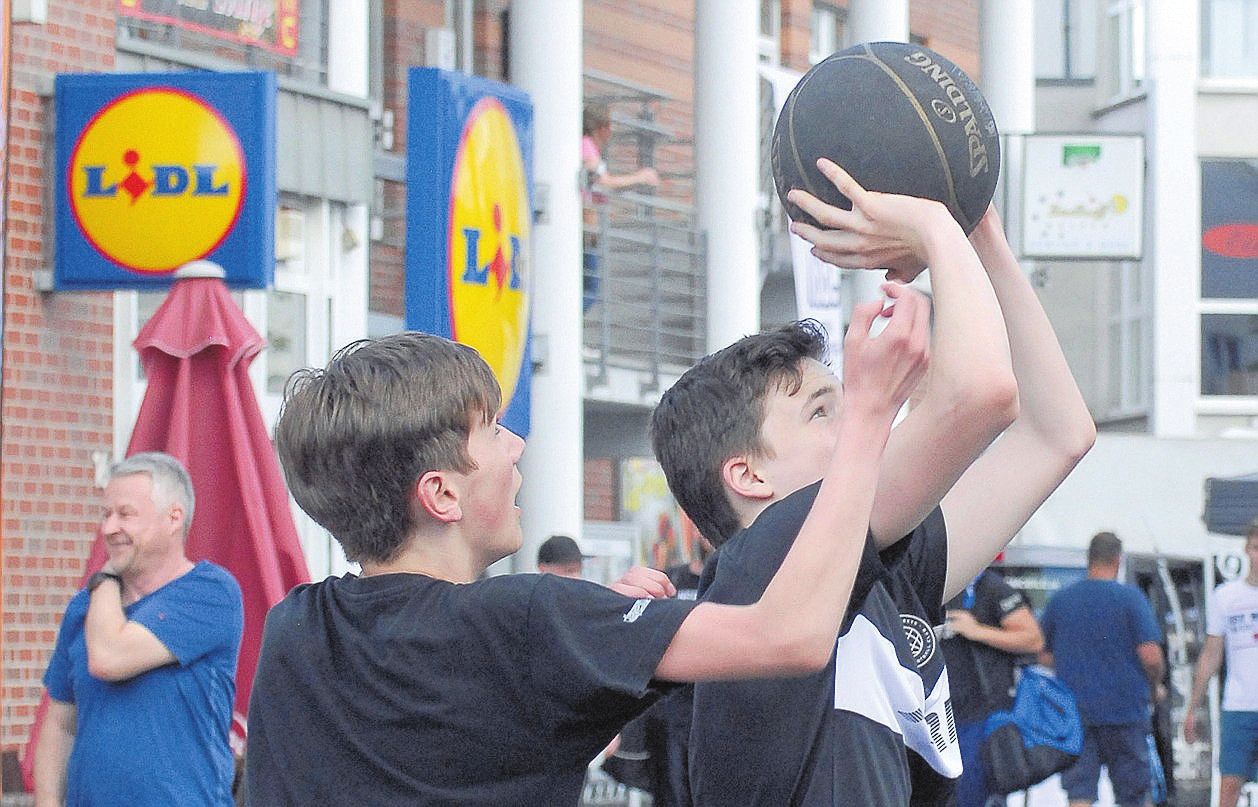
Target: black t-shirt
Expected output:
[982,676]
[403,690]
[875,728]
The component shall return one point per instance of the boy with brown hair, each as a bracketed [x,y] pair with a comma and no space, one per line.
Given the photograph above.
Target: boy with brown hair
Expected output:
[415,682]
[997,427]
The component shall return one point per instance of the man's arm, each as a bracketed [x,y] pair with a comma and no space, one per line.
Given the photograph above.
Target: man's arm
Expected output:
[970,394]
[1017,632]
[1151,659]
[791,630]
[117,648]
[52,753]
[1208,665]
[996,495]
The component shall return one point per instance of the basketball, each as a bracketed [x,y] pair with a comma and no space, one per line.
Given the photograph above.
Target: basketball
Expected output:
[898,117]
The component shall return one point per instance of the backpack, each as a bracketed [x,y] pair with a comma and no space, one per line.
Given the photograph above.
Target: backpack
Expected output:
[1042,734]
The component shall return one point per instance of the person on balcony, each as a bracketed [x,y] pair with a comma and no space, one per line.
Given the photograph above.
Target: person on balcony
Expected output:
[596,130]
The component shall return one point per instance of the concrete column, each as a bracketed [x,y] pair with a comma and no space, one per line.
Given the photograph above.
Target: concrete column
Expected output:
[1007,79]
[872,21]
[1173,218]
[727,148]
[877,21]
[1008,63]
[546,62]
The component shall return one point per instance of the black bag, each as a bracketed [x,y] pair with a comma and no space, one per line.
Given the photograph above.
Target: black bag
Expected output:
[1040,736]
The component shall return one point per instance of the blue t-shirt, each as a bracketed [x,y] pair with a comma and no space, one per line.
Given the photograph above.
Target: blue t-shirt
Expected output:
[160,738]
[1093,628]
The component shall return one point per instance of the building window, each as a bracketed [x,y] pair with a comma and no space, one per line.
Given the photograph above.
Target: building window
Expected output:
[770,31]
[1125,35]
[1229,277]
[1229,38]
[1229,354]
[1065,45]
[829,31]
[459,19]
[1127,339]
[1229,230]
[257,36]
[286,332]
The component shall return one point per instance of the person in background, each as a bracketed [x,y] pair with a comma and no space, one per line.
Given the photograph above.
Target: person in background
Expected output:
[559,554]
[1103,640]
[1232,634]
[596,130]
[988,627]
[685,576]
[143,675]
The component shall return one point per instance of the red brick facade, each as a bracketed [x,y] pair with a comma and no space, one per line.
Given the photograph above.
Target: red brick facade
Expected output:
[58,370]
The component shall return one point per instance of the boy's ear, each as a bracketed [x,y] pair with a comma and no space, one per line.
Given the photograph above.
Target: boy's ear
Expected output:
[742,477]
[438,497]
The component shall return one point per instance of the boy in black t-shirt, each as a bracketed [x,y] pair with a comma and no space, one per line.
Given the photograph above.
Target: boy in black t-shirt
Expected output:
[415,682]
[875,728]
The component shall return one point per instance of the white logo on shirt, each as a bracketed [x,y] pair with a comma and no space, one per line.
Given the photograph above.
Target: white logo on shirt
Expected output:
[636,611]
[921,638]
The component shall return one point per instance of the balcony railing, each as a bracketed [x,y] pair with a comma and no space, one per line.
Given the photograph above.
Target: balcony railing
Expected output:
[647,307]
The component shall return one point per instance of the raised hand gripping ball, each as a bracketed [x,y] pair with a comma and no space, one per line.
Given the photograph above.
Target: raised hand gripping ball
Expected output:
[898,117]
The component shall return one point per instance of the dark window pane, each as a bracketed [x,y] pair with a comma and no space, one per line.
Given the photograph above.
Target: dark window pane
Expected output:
[1229,354]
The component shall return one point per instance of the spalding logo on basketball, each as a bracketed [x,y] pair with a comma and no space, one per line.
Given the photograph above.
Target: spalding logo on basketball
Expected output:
[899,118]
[489,235]
[156,179]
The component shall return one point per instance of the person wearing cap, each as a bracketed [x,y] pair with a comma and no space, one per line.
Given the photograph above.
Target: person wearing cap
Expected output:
[560,555]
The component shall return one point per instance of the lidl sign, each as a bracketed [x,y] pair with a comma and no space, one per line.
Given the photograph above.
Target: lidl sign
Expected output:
[157,170]
[469,185]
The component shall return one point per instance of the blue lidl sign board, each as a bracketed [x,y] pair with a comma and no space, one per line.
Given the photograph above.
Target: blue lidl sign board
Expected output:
[468,213]
[155,170]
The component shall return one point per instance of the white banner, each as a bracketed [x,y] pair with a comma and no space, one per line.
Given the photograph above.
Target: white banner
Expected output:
[817,283]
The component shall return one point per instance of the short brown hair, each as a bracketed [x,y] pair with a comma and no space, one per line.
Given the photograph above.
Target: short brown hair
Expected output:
[353,438]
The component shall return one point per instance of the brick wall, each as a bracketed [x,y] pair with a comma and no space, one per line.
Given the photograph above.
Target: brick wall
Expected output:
[601,483]
[57,395]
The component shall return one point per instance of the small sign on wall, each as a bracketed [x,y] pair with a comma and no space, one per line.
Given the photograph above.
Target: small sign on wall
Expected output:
[1083,197]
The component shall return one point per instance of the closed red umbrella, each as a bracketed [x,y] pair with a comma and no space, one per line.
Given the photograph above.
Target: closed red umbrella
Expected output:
[200,408]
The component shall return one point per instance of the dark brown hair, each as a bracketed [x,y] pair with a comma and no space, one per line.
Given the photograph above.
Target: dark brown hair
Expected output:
[715,411]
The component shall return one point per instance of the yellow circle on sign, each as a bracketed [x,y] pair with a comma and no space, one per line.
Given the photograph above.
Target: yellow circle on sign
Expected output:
[489,243]
[156,179]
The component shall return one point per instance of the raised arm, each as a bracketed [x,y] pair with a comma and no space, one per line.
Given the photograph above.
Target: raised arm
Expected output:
[1052,432]
[791,630]
[970,394]
[117,648]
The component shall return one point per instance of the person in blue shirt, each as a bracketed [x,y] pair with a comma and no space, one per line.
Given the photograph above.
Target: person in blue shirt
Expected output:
[1105,643]
[143,674]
